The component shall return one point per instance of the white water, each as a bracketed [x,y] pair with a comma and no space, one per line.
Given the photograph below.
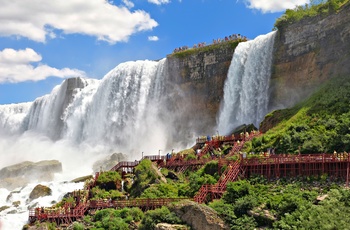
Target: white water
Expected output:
[124,112]
[15,217]
[246,88]
[119,113]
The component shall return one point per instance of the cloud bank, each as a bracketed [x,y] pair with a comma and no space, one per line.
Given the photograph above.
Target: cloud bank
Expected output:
[272,6]
[37,19]
[16,66]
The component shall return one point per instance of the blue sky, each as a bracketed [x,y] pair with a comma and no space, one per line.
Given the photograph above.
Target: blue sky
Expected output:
[43,42]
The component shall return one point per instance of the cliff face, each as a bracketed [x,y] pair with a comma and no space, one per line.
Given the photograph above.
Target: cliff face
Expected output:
[197,83]
[308,53]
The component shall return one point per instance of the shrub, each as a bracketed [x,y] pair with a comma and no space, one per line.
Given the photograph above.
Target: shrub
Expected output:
[160,215]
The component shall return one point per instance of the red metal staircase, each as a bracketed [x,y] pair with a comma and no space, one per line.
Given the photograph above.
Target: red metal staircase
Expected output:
[216,191]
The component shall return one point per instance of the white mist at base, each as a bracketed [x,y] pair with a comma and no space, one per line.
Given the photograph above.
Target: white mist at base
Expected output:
[14,218]
[83,121]
[76,161]
[246,90]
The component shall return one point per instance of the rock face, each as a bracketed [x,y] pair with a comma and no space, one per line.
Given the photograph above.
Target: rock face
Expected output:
[198,216]
[197,83]
[109,162]
[21,174]
[165,226]
[39,191]
[307,53]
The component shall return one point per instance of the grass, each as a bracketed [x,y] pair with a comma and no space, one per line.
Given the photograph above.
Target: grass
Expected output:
[318,124]
[309,10]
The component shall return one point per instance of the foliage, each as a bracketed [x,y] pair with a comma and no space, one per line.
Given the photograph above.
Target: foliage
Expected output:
[78,226]
[284,204]
[309,10]
[211,168]
[116,219]
[108,176]
[145,175]
[319,124]
[160,191]
[331,213]
[160,215]
[98,193]
[195,181]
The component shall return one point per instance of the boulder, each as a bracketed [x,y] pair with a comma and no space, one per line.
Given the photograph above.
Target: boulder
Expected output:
[109,162]
[39,191]
[21,174]
[198,216]
[2,208]
[16,203]
[82,179]
[165,226]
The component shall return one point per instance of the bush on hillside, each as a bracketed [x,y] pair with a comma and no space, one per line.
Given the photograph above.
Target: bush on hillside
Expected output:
[160,215]
[145,175]
[319,124]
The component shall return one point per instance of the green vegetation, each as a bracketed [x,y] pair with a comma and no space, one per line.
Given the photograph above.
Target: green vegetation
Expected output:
[145,175]
[227,44]
[160,215]
[309,10]
[110,218]
[319,124]
[160,191]
[292,204]
[107,185]
[205,175]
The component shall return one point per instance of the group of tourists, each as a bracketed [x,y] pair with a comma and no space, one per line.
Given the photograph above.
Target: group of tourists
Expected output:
[232,37]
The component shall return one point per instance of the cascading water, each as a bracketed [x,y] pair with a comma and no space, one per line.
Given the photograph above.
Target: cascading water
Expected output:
[120,111]
[246,88]
[80,119]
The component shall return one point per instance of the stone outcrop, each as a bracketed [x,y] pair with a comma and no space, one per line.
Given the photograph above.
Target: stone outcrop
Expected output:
[39,191]
[196,83]
[21,174]
[108,162]
[165,226]
[308,53]
[199,217]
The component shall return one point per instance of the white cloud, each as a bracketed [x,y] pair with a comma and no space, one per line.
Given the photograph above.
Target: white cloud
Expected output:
[15,66]
[159,2]
[271,6]
[128,4]
[153,38]
[35,19]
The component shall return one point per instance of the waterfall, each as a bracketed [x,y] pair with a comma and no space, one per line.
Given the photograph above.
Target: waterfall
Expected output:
[121,111]
[246,88]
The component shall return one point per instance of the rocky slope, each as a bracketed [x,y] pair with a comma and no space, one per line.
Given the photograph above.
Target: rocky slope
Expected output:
[197,82]
[308,53]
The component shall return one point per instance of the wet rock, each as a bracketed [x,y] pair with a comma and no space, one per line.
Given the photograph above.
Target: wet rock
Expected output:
[109,162]
[2,208]
[21,174]
[10,196]
[16,203]
[82,179]
[39,191]
[165,226]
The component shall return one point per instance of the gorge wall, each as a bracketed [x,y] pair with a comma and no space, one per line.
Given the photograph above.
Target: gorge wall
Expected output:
[307,53]
[197,82]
